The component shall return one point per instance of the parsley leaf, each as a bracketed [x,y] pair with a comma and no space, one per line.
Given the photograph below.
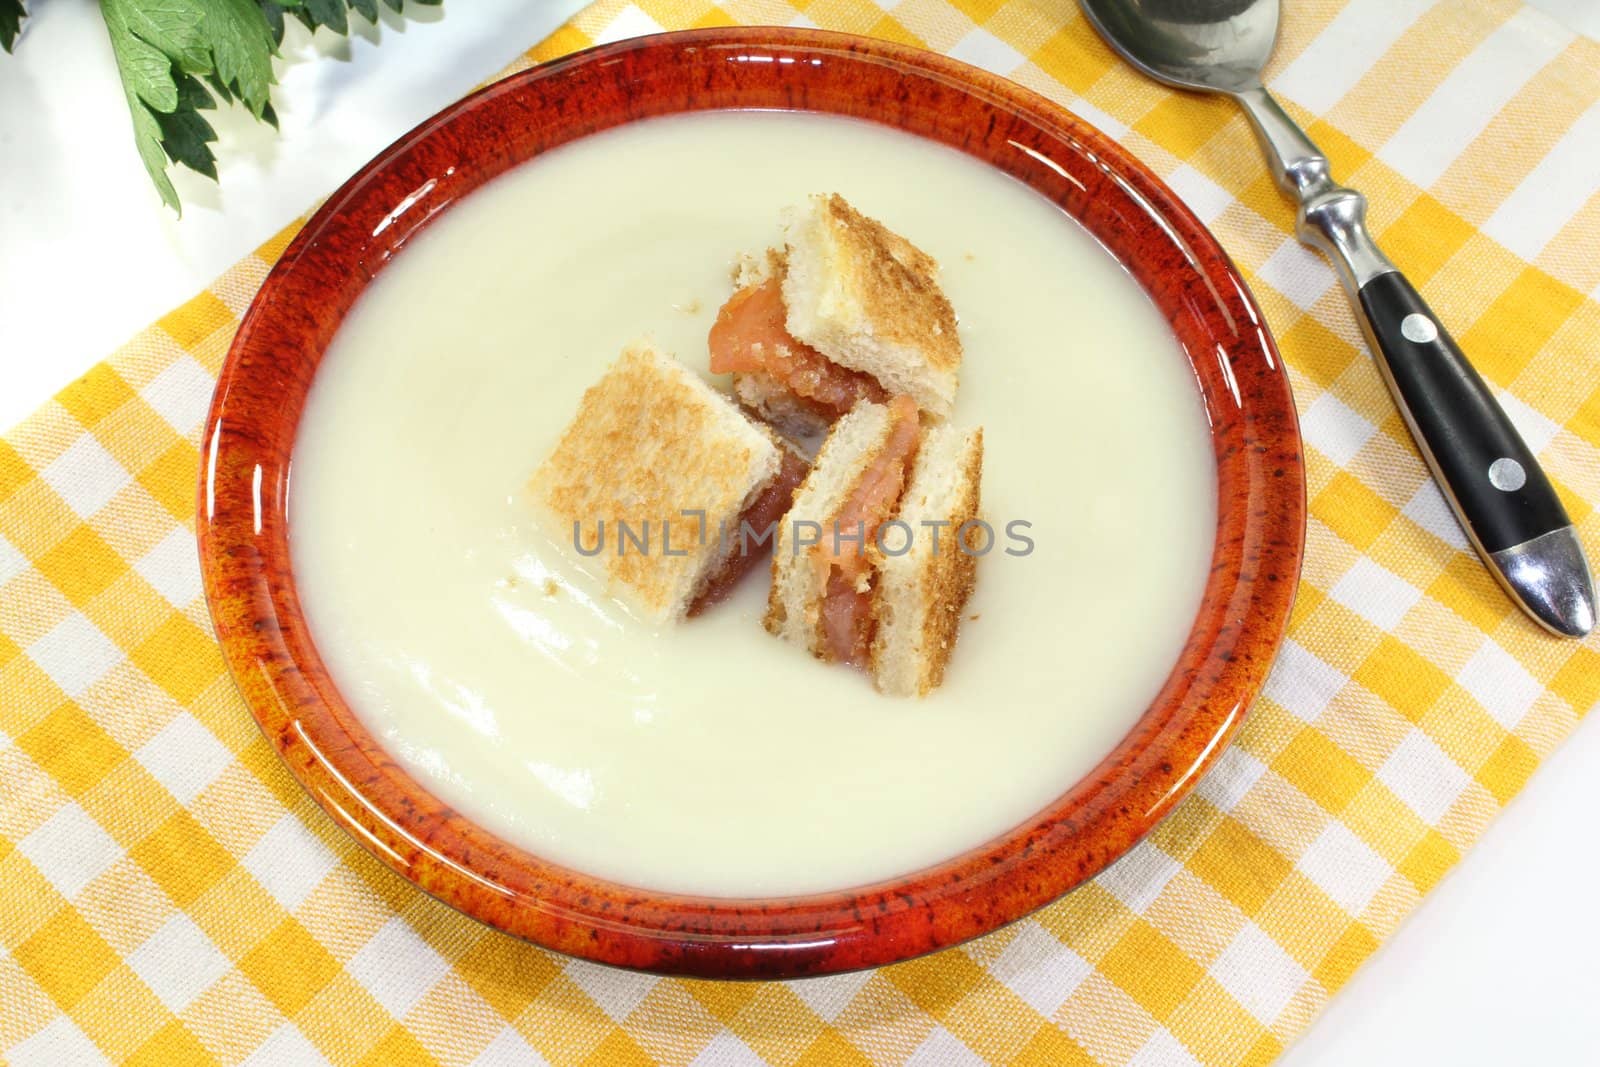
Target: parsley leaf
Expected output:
[332,14]
[148,84]
[176,58]
[186,136]
[163,48]
[11,16]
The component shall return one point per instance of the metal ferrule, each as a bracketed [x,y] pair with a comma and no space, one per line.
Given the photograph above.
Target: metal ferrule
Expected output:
[1331,217]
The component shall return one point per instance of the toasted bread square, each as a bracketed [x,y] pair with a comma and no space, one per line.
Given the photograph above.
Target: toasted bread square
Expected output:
[920,595]
[650,443]
[794,607]
[868,299]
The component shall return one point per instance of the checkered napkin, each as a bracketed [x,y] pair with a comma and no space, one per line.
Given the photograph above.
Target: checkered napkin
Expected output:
[168,894]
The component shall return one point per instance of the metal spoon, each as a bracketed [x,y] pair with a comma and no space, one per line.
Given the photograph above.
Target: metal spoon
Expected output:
[1499,494]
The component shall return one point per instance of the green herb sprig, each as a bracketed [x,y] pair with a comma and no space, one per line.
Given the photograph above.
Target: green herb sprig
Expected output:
[177,58]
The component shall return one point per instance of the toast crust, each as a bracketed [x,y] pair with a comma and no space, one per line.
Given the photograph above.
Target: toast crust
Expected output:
[947,584]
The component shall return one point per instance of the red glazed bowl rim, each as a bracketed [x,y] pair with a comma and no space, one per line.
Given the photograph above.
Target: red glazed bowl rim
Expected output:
[243,531]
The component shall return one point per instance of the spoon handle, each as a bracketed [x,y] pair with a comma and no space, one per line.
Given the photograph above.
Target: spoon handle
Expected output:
[1495,486]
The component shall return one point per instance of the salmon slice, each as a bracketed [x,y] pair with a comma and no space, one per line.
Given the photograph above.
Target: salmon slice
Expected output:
[846,620]
[847,596]
[750,336]
[765,510]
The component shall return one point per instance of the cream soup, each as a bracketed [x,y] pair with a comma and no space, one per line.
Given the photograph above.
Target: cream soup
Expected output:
[709,757]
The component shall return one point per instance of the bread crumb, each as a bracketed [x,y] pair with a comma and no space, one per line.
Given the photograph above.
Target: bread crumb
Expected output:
[969,257]
[974,618]
[688,307]
[551,587]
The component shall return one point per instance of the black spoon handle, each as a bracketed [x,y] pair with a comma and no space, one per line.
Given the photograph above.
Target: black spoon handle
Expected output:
[1500,492]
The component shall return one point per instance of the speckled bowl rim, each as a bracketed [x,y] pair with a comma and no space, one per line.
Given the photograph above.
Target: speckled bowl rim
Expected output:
[243,534]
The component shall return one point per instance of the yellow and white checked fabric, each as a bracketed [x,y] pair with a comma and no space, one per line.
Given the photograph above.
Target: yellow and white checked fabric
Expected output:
[169,896]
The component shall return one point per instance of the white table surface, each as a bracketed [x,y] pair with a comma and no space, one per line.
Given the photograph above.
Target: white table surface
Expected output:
[1496,967]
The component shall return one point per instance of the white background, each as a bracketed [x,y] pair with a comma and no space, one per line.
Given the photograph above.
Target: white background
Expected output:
[1497,967]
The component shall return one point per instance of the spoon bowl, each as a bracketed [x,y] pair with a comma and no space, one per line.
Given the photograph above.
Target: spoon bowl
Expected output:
[1208,45]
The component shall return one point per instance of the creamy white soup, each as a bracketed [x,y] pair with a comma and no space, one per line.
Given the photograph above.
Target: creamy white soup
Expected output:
[709,757]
